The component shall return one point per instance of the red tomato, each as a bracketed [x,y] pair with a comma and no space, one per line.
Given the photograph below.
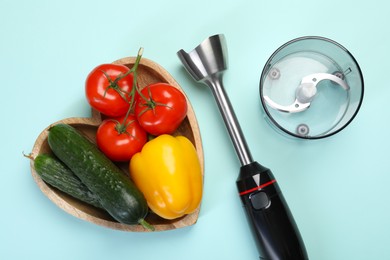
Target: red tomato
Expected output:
[161,108]
[120,144]
[107,97]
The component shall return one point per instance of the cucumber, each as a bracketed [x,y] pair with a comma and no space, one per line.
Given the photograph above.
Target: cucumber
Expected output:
[58,175]
[116,192]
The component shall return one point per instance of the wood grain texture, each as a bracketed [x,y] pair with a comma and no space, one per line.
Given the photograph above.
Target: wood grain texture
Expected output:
[148,72]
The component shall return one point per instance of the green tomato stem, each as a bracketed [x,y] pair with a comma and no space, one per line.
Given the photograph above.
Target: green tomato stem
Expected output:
[121,127]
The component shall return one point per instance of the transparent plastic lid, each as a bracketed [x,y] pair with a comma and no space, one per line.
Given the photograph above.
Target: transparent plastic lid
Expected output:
[311,87]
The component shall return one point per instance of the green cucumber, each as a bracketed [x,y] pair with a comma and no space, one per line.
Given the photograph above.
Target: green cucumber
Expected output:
[58,175]
[116,192]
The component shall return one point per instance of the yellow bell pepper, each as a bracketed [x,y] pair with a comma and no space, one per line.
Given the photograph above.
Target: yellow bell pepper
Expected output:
[168,173]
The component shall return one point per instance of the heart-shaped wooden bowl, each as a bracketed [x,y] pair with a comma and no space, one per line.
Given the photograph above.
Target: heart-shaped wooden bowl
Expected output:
[148,72]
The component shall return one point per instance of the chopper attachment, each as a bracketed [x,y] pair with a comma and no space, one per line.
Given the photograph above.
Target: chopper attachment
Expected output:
[311,88]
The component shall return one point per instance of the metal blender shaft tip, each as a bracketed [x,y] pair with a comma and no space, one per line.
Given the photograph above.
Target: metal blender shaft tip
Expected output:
[206,64]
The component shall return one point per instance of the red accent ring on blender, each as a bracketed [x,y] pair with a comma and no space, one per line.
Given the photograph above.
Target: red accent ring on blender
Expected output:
[262,186]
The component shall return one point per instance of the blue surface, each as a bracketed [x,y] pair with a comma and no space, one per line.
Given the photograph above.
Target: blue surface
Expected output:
[337,188]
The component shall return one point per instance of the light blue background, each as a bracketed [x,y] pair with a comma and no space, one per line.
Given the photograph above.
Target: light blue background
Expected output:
[337,189]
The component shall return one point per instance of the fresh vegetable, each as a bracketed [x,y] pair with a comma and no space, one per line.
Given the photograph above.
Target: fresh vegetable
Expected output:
[106,94]
[119,139]
[58,175]
[111,88]
[168,172]
[160,108]
[116,192]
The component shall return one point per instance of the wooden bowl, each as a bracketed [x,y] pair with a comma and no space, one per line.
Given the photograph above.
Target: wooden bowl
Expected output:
[148,72]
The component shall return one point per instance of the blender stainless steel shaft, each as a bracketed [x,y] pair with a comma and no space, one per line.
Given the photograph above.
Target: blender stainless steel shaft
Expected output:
[270,219]
[208,69]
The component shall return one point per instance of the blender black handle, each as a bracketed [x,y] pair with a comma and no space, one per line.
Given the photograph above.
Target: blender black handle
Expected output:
[271,222]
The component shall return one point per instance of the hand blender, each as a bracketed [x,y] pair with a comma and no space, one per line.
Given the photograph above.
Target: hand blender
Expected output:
[270,220]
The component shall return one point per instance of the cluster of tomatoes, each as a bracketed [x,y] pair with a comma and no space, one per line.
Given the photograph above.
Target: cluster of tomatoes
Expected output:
[131,113]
